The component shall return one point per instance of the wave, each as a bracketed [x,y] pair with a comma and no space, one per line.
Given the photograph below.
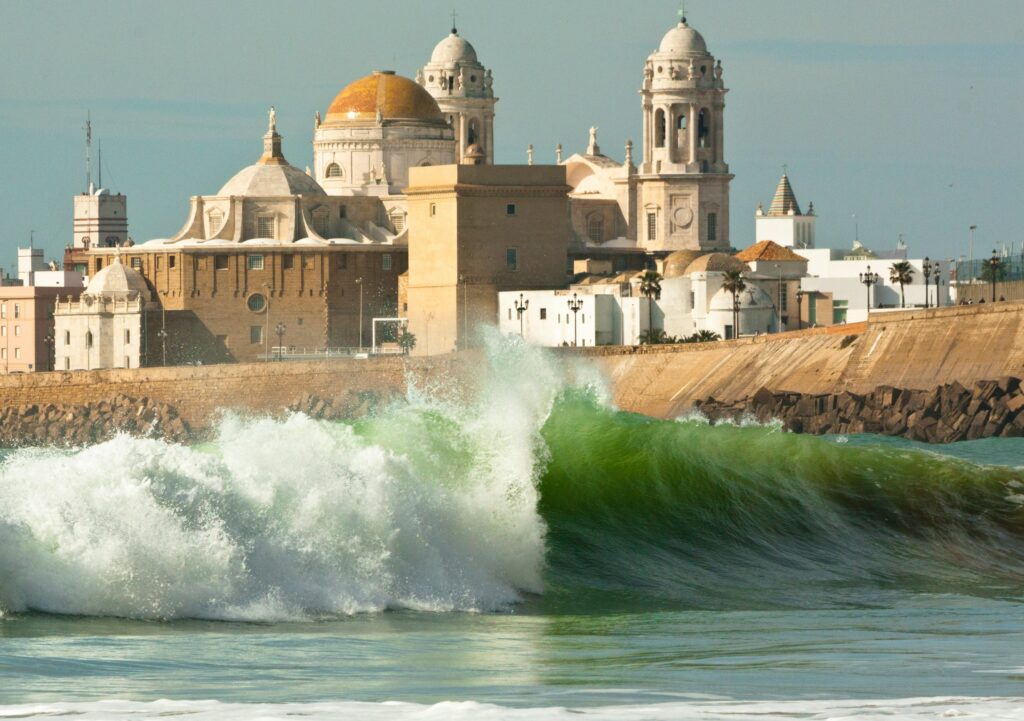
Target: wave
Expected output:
[907,709]
[537,491]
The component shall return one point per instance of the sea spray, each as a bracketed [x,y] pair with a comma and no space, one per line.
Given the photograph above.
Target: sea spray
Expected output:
[429,505]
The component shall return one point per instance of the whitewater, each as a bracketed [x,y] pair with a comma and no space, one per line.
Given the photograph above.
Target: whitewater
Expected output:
[524,551]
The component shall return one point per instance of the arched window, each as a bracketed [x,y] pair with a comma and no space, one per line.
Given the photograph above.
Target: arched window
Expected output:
[333,171]
[703,129]
[472,133]
[88,339]
[681,121]
[110,241]
[85,242]
[659,128]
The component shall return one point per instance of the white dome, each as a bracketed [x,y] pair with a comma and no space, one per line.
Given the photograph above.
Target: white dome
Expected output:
[683,40]
[269,180]
[117,279]
[452,49]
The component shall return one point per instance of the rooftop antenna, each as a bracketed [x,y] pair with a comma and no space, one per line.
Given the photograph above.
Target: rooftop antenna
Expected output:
[31,239]
[88,152]
[99,161]
[455,30]
[785,169]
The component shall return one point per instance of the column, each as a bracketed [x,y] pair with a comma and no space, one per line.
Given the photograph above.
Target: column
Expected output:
[691,131]
[463,134]
[645,163]
[720,135]
[670,134]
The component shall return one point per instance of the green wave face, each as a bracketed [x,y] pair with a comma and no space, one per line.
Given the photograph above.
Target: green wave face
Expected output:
[683,513]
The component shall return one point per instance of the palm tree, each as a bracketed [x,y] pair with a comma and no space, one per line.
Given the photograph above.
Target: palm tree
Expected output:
[703,336]
[406,341]
[734,284]
[901,272]
[650,286]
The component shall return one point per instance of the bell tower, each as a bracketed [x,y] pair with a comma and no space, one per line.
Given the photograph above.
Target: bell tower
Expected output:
[683,179]
[462,87]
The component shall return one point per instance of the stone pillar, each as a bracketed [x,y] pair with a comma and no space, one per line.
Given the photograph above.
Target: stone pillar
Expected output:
[645,161]
[463,135]
[670,134]
[691,127]
[720,135]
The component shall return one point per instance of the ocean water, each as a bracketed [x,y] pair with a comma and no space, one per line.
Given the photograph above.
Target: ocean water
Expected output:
[534,554]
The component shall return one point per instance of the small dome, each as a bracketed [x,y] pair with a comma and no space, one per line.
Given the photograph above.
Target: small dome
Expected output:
[677,263]
[717,263]
[395,97]
[117,280]
[475,155]
[270,180]
[683,40]
[453,49]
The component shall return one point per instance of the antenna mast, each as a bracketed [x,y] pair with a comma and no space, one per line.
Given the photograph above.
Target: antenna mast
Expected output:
[99,162]
[88,152]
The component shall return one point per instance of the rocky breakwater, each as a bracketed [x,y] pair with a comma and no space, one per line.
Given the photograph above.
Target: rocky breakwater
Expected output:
[80,424]
[946,413]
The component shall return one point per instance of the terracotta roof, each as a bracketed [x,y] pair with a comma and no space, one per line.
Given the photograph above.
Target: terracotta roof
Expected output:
[768,250]
[784,202]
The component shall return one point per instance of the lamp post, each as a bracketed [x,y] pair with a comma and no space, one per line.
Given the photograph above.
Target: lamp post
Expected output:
[926,269]
[800,309]
[575,304]
[937,276]
[162,334]
[995,263]
[266,332]
[521,306]
[51,353]
[778,267]
[279,329]
[970,248]
[868,279]
[359,282]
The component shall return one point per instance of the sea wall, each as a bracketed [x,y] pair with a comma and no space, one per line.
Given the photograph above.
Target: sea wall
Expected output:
[913,349]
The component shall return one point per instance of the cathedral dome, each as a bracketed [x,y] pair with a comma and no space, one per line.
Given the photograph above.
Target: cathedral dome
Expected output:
[393,96]
[683,40]
[453,49]
[118,280]
[270,180]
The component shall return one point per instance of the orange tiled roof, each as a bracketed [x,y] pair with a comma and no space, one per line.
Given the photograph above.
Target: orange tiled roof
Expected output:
[768,250]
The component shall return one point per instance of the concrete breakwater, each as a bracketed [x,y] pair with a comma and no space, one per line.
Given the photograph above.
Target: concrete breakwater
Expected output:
[944,414]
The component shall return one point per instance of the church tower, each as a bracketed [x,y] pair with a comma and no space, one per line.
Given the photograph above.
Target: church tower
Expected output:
[784,223]
[461,85]
[683,180]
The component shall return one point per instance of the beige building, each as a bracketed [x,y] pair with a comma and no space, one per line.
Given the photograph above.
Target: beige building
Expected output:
[476,230]
[104,327]
[26,326]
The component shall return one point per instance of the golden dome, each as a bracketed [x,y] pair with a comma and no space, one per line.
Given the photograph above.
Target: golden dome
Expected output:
[677,263]
[396,97]
[718,263]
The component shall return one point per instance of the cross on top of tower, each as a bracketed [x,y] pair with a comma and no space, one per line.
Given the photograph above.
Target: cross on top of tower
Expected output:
[785,168]
[682,13]
[454,28]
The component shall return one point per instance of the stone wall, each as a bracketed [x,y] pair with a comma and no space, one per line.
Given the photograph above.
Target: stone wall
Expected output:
[944,414]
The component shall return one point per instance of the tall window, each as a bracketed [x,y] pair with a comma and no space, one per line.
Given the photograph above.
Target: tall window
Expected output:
[342,261]
[137,263]
[216,218]
[703,129]
[3,310]
[385,261]
[287,261]
[659,129]
[67,337]
[712,226]
[17,310]
[127,337]
[172,260]
[512,258]
[17,352]
[265,226]
[17,330]
[254,262]
[652,226]
[595,229]
[255,334]
[333,170]
[88,339]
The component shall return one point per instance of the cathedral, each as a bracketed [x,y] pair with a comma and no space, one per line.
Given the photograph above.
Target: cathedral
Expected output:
[307,259]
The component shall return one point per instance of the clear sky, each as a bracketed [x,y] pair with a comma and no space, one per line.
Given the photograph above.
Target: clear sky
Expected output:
[907,115]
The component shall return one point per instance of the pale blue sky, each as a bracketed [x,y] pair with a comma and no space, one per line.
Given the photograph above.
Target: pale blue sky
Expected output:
[907,114]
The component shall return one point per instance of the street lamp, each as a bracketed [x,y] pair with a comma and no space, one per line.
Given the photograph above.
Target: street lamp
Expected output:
[162,334]
[51,351]
[279,329]
[995,263]
[868,279]
[778,267]
[800,309]
[574,305]
[266,332]
[970,248]
[521,306]
[926,270]
[359,282]
[937,276]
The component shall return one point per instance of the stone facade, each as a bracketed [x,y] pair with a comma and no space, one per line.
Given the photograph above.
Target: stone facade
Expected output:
[474,231]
